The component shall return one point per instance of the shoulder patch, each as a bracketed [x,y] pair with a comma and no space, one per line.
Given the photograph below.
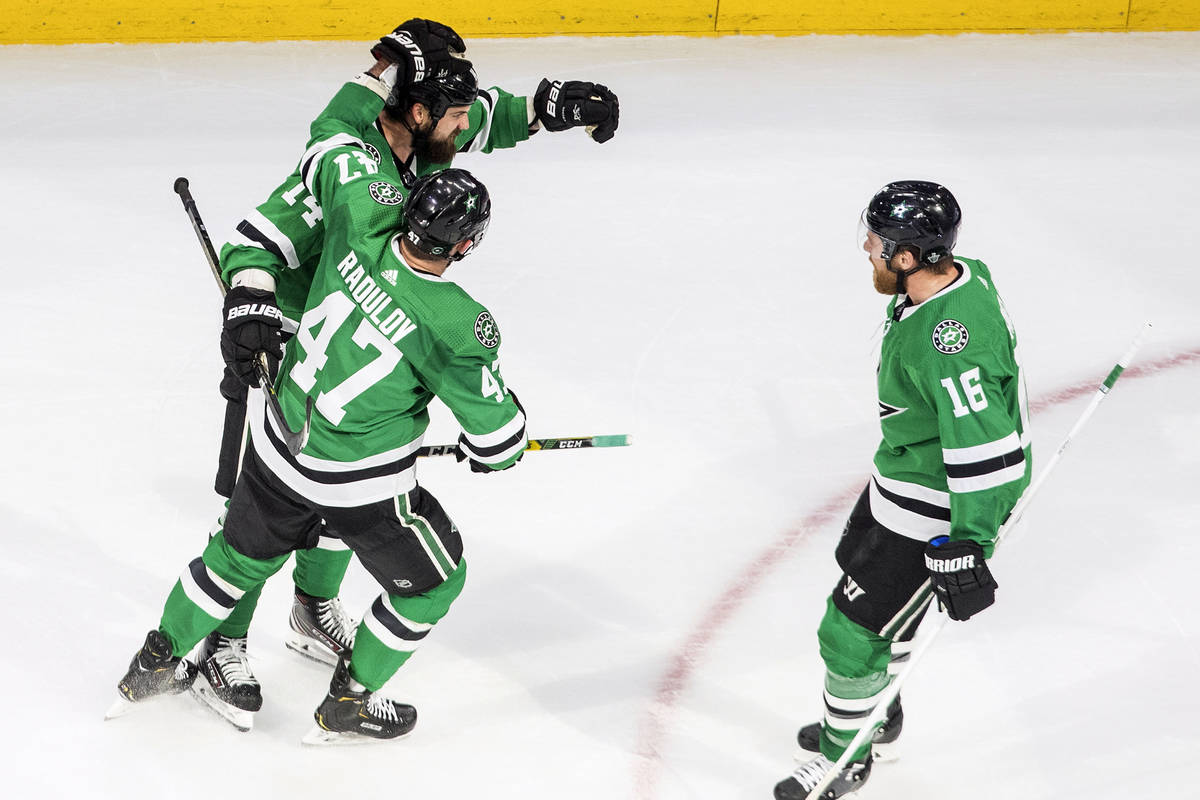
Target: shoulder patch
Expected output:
[385,194]
[950,336]
[374,152]
[486,330]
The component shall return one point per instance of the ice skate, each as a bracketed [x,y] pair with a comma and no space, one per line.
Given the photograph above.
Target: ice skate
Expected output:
[226,684]
[320,628]
[884,745]
[350,714]
[809,774]
[153,671]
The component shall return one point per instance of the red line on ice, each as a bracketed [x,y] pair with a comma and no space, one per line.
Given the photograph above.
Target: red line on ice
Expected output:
[652,732]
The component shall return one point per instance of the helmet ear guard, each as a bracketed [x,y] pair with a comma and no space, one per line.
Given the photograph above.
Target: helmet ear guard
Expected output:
[460,87]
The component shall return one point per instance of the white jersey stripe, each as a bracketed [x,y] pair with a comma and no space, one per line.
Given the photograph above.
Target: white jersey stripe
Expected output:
[904,522]
[488,99]
[340,495]
[269,229]
[480,441]
[991,480]
[313,155]
[981,452]
[914,490]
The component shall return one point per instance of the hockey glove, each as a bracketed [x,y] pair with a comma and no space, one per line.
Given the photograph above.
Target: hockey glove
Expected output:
[421,48]
[960,577]
[252,326]
[568,104]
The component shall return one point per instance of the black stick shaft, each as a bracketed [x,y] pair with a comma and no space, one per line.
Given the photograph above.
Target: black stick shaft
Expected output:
[295,440]
[210,253]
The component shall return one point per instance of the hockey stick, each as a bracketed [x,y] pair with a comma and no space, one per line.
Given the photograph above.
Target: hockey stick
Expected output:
[295,440]
[565,443]
[879,713]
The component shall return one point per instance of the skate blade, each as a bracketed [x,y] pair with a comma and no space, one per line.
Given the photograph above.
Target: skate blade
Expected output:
[886,752]
[319,737]
[239,718]
[120,708]
[310,649]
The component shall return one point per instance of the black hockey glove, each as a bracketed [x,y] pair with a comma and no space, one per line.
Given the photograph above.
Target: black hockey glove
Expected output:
[421,48]
[252,326]
[568,104]
[961,580]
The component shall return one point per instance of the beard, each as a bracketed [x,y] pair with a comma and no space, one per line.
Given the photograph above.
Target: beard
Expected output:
[433,151]
[886,281]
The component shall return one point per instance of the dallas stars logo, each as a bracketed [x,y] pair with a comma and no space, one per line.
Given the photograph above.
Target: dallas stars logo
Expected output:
[385,194]
[486,331]
[950,336]
[900,209]
[471,202]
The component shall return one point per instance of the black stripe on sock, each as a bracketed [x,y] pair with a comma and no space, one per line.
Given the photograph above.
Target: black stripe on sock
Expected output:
[398,628]
[200,576]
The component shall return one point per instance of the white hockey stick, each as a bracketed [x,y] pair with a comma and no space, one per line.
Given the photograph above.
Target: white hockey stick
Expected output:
[934,627]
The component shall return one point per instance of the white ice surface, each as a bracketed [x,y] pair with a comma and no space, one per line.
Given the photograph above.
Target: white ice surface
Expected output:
[639,623]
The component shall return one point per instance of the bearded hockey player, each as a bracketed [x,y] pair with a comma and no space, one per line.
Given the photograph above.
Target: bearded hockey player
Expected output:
[954,459]
[432,110]
[383,333]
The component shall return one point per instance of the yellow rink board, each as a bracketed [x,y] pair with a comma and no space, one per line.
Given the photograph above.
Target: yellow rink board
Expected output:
[79,21]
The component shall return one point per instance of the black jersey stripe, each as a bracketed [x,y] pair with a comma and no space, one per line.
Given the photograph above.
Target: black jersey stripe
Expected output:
[986,466]
[245,228]
[919,507]
[496,449]
[208,586]
[337,478]
[395,626]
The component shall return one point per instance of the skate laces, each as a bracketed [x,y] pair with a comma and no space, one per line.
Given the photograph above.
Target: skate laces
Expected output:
[810,773]
[230,655]
[381,708]
[333,619]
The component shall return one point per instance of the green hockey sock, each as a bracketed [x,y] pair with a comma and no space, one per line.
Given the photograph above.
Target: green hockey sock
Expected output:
[319,571]
[209,589]
[237,623]
[394,628]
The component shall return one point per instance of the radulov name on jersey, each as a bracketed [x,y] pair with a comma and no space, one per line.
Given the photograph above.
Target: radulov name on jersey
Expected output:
[374,301]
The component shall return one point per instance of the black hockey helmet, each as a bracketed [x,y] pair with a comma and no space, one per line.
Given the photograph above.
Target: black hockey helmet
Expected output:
[917,214]
[445,208]
[438,93]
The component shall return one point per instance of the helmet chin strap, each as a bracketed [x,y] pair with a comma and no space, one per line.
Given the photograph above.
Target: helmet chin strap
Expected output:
[901,274]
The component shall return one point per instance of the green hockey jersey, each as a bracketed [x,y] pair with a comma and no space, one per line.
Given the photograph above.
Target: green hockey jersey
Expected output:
[283,236]
[955,454]
[377,341]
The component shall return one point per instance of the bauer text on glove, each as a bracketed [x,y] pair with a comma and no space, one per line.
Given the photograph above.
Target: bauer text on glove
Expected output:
[559,105]
[251,326]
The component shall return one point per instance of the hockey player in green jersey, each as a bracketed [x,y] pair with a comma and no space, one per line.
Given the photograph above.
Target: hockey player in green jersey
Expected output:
[954,459]
[383,332]
[432,110]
